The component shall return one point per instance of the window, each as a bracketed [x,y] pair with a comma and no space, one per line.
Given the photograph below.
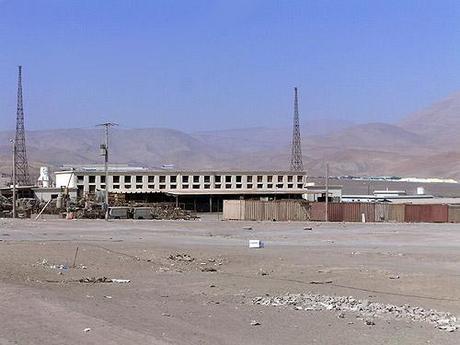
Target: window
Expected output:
[238,185]
[173,179]
[259,178]
[102,179]
[79,179]
[162,186]
[218,179]
[138,186]
[207,179]
[217,186]
[228,179]
[92,179]
[260,185]
[196,179]
[92,189]
[299,178]
[228,186]
[269,185]
[173,186]
[206,186]
[238,179]
[279,185]
[185,186]
[196,186]
[184,179]
[290,178]
[127,179]
[250,185]
[162,179]
[151,186]
[116,186]
[249,178]
[103,186]
[116,179]
[151,179]
[290,185]
[127,186]
[280,178]
[300,185]
[269,178]
[138,179]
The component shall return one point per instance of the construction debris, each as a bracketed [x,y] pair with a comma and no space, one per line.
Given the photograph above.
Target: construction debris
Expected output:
[363,308]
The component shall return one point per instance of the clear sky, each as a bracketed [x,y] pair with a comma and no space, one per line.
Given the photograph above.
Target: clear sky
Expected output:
[198,64]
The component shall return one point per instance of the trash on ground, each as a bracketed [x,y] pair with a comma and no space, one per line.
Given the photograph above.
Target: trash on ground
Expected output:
[256,244]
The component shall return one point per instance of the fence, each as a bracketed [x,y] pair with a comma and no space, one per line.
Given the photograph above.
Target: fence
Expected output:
[300,210]
[279,210]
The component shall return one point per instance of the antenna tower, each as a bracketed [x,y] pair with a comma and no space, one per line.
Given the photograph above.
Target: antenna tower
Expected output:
[296,149]
[21,167]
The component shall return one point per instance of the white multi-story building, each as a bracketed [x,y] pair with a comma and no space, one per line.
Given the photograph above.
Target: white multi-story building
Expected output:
[143,182]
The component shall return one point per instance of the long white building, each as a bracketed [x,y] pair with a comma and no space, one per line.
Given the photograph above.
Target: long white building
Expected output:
[141,183]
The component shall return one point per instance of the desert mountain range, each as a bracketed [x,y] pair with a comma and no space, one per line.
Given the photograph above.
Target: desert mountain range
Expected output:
[423,144]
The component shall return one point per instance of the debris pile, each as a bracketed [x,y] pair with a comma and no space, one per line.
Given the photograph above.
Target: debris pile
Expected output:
[170,212]
[364,308]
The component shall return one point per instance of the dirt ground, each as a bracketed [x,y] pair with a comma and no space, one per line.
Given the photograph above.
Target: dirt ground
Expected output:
[192,282]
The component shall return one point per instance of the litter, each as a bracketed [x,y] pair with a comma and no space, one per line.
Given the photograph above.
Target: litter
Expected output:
[318,282]
[247,227]
[255,323]
[121,281]
[86,330]
[256,244]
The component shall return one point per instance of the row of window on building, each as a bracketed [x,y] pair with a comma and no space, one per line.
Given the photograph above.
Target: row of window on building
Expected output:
[196,181]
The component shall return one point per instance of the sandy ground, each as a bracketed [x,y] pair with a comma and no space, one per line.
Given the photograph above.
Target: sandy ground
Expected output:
[175,302]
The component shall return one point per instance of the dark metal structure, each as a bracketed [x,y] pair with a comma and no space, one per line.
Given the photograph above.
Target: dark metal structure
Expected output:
[296,149]
[21,166]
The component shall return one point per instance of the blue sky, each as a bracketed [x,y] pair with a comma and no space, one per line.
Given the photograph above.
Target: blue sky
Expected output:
[198,64]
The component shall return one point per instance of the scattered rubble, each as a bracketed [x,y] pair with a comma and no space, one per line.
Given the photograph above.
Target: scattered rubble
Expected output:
[208,269]
[364,308]
[94,280]
[319,282]
[181,257]
[255,323]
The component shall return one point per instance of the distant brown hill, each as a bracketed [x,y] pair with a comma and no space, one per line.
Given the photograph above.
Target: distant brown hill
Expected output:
[424,144]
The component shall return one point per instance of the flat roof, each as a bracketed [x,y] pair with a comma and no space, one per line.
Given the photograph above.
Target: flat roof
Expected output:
[175,171]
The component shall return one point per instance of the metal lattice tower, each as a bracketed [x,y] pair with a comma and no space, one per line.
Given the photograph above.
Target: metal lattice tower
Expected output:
[296,149]
[21,166]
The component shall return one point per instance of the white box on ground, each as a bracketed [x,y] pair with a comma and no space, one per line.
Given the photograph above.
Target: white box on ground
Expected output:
[256,244]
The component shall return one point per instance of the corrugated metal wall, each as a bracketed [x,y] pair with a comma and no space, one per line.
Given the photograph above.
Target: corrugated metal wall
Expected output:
[279,210]
[301,210]
[233,210]
[454,214]
[426,213]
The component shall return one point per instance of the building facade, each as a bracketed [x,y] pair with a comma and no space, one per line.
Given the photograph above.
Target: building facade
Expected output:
[130,180]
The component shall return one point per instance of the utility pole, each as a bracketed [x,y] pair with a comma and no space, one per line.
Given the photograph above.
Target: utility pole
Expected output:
[327,192]
[13,143]
[105,152]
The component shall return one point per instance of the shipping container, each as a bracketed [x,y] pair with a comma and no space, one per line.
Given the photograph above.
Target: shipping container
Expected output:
[426,213]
